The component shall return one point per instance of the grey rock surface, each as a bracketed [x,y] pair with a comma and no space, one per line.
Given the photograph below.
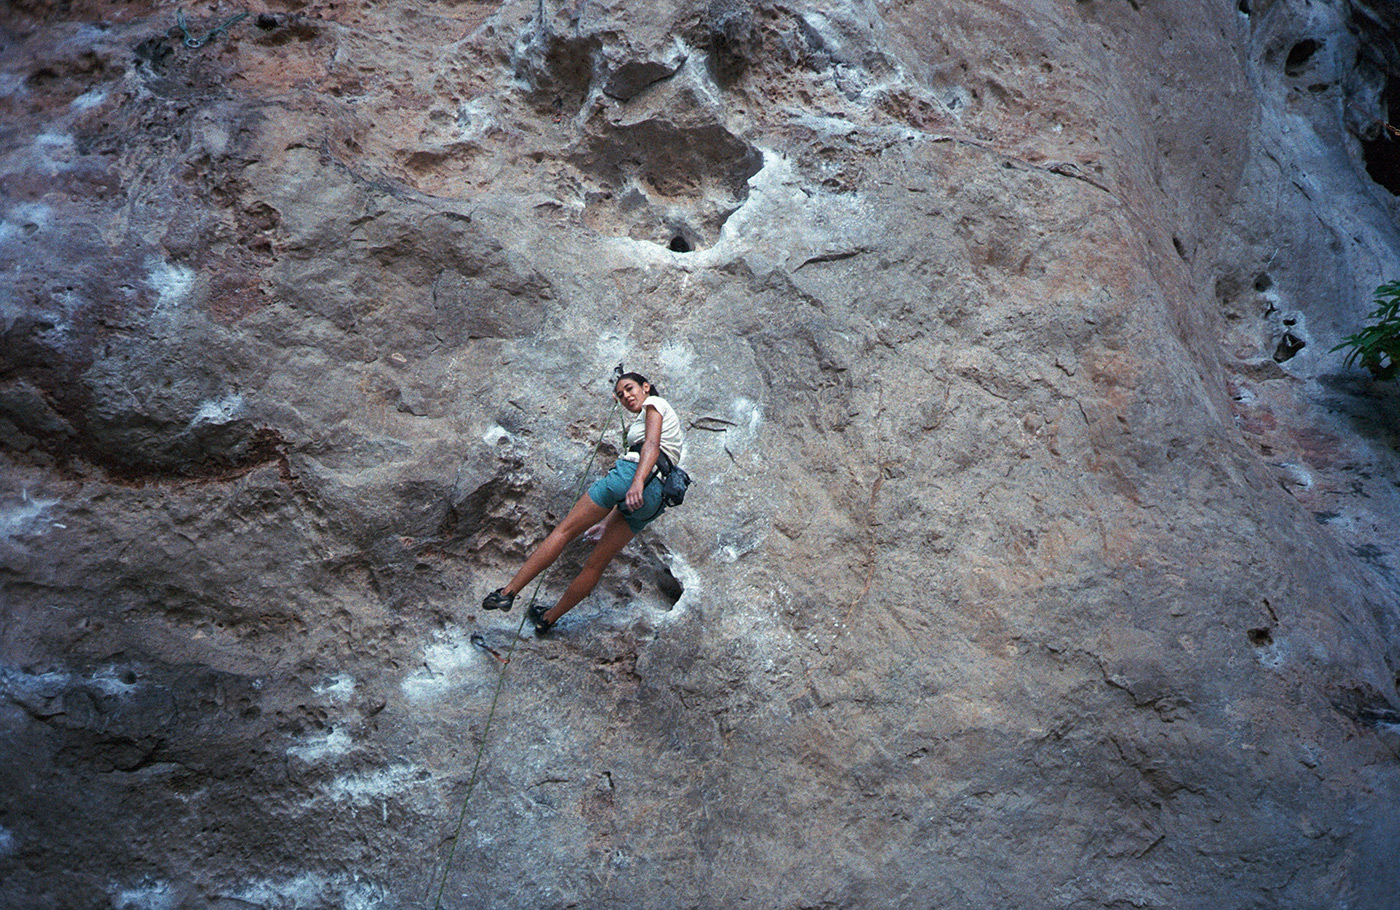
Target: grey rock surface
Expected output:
[1042,553]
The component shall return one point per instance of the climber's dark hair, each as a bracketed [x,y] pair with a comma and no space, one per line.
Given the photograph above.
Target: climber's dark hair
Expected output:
[639,379]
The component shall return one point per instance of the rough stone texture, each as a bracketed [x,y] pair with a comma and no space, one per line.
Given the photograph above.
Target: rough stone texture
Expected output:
[1042,554]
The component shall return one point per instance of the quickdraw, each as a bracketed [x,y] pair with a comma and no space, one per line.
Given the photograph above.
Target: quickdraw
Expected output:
[480,641]
[194,43]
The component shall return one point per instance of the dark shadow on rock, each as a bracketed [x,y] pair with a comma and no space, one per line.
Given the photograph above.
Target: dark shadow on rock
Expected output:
[1370,408]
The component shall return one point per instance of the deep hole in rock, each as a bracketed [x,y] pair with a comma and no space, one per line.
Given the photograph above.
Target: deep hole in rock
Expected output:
[1244,7]
[1288,346]
[678,244]
[1262,282]
[669,585]
[1382,154]
[1260,638]
[1299,56]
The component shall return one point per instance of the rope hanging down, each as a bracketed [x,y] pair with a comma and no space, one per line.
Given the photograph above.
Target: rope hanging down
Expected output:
[504,662]
[1391,131]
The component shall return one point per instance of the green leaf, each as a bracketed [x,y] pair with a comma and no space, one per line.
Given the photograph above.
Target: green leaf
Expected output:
[1377,347]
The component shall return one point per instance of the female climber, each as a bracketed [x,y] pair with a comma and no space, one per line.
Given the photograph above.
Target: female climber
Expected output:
[616,507]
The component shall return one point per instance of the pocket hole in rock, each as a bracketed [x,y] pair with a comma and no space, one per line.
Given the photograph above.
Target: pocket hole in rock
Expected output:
[1288,347]
[1260,638]
[1299,56]
[1262,282]
[669,585]
[679,244]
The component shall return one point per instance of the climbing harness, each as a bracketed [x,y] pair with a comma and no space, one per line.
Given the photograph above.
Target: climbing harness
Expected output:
[194,43]
[479,641]
[674,480]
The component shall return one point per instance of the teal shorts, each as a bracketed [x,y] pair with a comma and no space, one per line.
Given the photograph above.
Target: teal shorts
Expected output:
[611,490]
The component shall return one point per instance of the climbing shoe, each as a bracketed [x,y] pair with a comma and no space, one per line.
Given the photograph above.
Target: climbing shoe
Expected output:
[536,615]
[498,600]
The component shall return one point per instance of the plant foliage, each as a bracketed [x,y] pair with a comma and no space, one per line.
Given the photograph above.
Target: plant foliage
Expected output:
[1377,347]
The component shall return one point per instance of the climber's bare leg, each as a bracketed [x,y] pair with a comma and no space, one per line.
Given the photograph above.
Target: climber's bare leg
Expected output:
[616,534]
[585,512]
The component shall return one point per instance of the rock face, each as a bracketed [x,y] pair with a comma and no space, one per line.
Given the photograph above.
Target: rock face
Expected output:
[1042,553]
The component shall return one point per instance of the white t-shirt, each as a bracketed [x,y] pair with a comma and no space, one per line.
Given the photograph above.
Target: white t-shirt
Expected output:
[672,439]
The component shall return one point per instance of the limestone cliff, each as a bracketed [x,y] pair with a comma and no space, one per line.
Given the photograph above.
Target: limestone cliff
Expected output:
[1042,554]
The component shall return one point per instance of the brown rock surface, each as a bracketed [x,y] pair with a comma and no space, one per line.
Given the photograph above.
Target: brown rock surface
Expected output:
[1042,555]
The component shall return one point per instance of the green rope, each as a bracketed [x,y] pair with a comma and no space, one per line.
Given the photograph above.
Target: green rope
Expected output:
[501,677]
[476,766]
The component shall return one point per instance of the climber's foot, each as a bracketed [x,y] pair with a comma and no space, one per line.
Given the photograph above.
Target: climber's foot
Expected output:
[498,600]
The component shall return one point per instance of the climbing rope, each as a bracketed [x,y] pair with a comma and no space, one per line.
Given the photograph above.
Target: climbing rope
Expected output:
[1390,130]
[194,43]
[504,661]
[476,766]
